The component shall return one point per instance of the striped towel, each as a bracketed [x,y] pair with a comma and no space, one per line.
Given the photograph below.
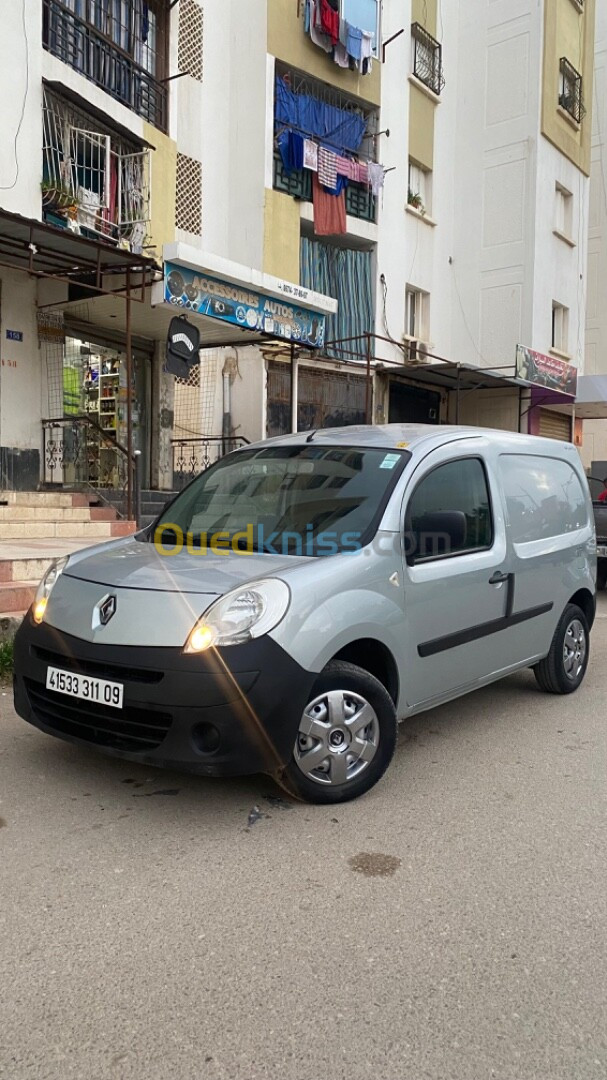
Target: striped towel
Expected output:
[327,168]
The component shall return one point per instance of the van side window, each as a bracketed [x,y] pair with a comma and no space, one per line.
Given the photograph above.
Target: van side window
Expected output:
[544,497]
[449,512]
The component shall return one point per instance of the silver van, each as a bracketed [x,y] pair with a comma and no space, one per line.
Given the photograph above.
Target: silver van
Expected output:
[304,594]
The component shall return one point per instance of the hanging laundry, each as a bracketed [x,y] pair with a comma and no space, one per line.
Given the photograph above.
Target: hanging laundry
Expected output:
[329,211]
[329,20]
[376,177]
[307,17]
[310,155]
[345,167]
[327,167]
[290,148]
[340,55]
[316,32]
[366,50]
[354,38]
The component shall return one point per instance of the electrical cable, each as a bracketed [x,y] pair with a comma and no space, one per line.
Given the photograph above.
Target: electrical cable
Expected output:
[9,187]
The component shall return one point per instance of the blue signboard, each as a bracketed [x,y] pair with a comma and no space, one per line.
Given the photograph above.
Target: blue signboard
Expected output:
[14,335]
[242,306]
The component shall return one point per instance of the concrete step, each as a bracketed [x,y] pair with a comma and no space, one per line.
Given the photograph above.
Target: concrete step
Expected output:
[44,498]
[41,530]
[18,512]
[16,595]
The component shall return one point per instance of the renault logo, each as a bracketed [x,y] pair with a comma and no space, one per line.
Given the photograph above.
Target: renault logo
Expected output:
[104,611]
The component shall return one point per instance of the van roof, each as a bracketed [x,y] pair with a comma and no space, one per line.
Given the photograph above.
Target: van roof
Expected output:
[409,436]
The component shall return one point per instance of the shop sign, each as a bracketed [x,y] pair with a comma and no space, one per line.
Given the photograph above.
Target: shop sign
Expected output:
[183,343]
[547,371]
[242,306]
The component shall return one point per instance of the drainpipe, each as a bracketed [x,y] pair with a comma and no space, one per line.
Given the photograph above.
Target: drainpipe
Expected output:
[230,368]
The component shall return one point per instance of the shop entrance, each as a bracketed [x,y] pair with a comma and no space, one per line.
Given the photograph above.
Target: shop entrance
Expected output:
[412,405]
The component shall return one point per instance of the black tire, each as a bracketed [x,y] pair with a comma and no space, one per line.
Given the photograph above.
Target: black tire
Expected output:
[601,574]
[551,673]
[378,737]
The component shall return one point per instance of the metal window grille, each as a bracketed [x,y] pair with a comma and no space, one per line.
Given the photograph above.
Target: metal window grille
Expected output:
[120,45]
[570,91]
[99,179]
[188,203]
[191,27]
[427,59]
[360,202]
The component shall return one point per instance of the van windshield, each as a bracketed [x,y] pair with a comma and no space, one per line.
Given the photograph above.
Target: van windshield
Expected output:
[291,500]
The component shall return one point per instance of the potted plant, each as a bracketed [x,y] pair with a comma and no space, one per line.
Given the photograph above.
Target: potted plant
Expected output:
[415,200]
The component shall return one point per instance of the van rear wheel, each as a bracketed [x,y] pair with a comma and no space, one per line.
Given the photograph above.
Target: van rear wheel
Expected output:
[346,737]
[562,671]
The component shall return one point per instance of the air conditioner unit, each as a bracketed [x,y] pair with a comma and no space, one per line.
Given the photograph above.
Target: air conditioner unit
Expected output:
[411,349]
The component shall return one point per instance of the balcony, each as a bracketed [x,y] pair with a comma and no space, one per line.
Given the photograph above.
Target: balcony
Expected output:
[427,59]
[94,182]
[88,50]
[360,203]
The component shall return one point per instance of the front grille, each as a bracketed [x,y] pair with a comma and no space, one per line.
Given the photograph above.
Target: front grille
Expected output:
[96,668]
[127,729]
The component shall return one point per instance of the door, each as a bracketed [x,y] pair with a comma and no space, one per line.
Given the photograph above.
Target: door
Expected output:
[412,404]
[456,575]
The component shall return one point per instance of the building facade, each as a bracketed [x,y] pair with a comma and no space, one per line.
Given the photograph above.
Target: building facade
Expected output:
[166,142]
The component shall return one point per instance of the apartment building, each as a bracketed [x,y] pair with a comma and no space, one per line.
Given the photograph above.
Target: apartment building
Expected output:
[176,158]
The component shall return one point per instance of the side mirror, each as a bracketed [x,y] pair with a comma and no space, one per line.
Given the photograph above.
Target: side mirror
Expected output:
[432,535]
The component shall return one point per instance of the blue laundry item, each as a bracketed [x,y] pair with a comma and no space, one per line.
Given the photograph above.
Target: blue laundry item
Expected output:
[340,185]
[307,17]
[290,146]
[354,39]
[336,128]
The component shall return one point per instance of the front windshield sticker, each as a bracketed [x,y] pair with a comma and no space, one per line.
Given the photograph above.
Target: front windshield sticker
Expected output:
[390,461]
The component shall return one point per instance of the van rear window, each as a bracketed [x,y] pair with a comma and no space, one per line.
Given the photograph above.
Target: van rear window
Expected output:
[544,497]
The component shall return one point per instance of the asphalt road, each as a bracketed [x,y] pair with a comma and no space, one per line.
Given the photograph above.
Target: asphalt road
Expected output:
[452,924]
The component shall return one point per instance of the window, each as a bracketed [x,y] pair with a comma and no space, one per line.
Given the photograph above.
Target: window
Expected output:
[563,216]
[427,59]
[544,497]
[419,193]
[365,15]
[417,304]
[560,328]
[570,91]
[449,512]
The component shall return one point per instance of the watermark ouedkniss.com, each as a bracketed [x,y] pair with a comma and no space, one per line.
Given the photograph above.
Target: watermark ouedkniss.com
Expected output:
[170,539]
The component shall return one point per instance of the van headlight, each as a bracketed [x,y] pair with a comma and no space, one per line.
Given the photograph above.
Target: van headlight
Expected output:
[241,615]
[46,587]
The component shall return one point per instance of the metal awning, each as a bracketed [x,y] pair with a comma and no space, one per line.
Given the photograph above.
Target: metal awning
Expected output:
[49,252]
[463,377]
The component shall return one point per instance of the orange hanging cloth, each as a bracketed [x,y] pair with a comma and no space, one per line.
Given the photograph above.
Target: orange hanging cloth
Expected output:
[329,210]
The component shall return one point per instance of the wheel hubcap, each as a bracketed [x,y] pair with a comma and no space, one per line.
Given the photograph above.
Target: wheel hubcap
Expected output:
[574,649]
[338,737]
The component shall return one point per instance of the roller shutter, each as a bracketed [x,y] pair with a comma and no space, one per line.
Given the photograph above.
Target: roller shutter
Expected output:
[555,425]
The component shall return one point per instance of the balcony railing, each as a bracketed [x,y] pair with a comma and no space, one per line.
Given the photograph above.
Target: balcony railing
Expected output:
[571,96]
[427,59]
[99,59]
[360,203]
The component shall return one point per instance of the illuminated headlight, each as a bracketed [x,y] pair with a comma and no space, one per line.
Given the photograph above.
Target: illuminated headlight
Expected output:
[46,587]
[241,615]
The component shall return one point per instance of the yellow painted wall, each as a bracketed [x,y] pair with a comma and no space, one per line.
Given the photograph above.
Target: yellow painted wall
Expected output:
[164,178]
[287,42]
[421,128]
[569,33]
[281,236]
[424,13]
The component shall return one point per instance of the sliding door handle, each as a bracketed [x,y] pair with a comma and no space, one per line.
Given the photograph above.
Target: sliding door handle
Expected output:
[498,578]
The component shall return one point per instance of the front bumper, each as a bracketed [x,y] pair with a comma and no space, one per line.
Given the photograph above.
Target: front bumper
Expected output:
[225,712]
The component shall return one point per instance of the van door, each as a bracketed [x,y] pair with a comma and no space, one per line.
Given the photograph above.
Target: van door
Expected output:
[548,523]
[457,575]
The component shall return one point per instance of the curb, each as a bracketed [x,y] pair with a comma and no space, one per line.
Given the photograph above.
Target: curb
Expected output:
[9,624]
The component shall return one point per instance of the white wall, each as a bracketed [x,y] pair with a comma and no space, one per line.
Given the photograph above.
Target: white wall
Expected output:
[20,366]
[21,92]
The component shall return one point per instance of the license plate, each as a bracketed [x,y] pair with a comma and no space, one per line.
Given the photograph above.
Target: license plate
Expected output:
[99,691]
[601,551]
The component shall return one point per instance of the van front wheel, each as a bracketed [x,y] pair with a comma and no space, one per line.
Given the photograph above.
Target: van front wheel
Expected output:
[346,737]
[562,671]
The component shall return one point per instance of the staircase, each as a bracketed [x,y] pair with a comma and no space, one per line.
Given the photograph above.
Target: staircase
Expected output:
[37,527]
[152,503]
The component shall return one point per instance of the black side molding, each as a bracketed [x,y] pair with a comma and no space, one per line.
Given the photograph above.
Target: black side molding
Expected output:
[474,633]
